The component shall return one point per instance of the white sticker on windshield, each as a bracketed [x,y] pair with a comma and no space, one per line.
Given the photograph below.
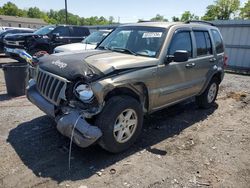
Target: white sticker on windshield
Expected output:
[152,35]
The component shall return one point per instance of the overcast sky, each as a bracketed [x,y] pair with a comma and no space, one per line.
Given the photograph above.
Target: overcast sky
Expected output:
[126,10]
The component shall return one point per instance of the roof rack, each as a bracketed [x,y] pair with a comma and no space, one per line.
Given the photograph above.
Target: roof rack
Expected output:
[142,21]
[199,21]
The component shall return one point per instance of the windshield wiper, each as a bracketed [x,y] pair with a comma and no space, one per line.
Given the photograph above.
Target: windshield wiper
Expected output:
[124,50]
[104,48]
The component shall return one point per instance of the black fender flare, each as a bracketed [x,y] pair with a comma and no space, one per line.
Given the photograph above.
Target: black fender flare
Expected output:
[218,73]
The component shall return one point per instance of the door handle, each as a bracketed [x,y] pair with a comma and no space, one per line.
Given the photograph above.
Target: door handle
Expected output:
[190,65]
[212,60]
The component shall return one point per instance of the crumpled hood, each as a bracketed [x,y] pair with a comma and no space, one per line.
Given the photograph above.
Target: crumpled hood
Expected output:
[92,63]
[74,47]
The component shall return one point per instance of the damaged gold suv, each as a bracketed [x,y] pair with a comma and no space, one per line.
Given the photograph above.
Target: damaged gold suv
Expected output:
[102,95]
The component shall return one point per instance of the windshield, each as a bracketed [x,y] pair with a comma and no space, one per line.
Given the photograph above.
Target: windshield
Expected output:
[95,37]
[139,40]
[45,30]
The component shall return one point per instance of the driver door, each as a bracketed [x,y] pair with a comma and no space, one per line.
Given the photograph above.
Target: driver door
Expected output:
[60,36]
[175,78]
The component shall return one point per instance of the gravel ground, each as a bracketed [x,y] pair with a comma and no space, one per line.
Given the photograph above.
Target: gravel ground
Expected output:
[181,146]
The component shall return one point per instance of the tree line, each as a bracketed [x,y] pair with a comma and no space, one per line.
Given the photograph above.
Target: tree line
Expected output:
[52,16]
[220,10]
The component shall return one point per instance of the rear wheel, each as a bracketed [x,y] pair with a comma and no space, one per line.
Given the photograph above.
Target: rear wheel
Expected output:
[120,122]
[207,98]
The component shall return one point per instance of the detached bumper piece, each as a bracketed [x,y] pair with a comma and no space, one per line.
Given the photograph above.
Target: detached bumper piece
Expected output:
[83,135]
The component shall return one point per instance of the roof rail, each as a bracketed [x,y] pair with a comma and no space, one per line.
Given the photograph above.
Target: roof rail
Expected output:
[142,21]
[199,21]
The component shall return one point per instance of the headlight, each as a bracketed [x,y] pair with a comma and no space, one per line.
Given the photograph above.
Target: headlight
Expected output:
[84,92]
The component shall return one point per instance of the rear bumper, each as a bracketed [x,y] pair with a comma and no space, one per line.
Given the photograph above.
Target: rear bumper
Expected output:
[84,134]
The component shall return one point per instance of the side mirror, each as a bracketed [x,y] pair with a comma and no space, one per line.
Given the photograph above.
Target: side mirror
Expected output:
[181,56]
[55,35]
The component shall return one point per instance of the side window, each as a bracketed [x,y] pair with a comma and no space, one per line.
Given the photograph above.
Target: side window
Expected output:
[203,43]
[218,41]
[62,31]
[181,41]
[80,31]
[209,43]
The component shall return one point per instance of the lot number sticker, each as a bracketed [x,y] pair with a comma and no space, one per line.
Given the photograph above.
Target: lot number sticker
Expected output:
[152,35]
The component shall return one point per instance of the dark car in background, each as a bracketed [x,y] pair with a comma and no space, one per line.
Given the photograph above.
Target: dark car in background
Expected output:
[44,39]
[12,31]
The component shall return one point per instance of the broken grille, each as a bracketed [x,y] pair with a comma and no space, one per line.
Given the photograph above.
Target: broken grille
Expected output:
[51,86]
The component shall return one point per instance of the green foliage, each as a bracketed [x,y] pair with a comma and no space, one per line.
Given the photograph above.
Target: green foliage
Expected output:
[188,16]
[159,18]
[52,16]
[35,12]
[245,11]
[175,19]
[111,19]
[11,9]
[222,10]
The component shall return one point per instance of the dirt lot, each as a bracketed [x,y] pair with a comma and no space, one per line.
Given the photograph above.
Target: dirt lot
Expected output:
[182,146]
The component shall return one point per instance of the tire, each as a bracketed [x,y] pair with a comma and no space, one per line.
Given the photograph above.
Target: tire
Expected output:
[34,51]
[207,98]
[111,116]
[38,53]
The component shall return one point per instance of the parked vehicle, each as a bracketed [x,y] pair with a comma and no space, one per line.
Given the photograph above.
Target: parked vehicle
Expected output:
[44,39]
[2,29]
[102,95]
[12,31]
[90,42]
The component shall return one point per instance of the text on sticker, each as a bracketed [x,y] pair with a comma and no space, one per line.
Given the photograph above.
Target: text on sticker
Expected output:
[152,35]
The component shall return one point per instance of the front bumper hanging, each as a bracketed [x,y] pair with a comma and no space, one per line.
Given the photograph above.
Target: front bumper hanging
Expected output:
[84,133]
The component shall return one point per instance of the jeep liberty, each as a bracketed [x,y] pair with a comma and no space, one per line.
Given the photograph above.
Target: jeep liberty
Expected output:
[100,96]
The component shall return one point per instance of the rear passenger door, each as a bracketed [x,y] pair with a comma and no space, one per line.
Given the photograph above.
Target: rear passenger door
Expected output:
[204,57]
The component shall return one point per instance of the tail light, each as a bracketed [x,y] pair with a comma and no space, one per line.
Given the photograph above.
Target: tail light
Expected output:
[225,60]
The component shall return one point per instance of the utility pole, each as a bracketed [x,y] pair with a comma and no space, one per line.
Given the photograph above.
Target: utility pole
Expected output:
[66,12]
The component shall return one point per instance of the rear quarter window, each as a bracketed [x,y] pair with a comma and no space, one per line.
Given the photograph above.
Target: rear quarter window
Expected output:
[80,31]
[217,41]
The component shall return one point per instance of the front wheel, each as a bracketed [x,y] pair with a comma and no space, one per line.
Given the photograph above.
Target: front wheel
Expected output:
[121,123]
[207,98]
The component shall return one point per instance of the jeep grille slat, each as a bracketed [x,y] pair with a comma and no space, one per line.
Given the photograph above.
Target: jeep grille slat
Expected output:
[41,81]
[57,91]
[51,87]
[46,85]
